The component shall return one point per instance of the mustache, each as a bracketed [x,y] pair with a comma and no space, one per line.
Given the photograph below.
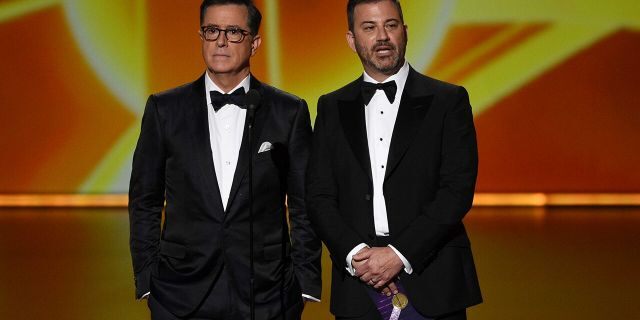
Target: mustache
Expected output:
[383,44]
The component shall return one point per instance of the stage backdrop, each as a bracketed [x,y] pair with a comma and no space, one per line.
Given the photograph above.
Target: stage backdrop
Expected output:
[554,84]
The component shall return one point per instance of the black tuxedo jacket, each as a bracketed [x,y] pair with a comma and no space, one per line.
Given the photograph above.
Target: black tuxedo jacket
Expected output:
[173,162]
[428,189]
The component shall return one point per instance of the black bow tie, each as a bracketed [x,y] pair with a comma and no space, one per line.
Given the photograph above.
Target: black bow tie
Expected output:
[218,100]
[369,89]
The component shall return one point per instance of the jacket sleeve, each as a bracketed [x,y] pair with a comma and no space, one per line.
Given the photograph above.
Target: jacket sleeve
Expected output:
[306,250]
[146,197]
[454,197]
[322,194]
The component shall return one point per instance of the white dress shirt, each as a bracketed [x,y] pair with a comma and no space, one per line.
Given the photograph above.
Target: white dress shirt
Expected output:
[380,118]
[226,127]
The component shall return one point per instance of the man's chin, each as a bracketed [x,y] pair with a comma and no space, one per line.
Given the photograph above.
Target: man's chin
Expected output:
[385,66]
[387,69]
[220,71]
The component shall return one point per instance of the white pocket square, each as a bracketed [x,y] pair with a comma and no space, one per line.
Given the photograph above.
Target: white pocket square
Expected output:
[265,146]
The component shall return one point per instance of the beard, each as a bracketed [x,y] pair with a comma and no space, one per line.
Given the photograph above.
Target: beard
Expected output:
[385,65]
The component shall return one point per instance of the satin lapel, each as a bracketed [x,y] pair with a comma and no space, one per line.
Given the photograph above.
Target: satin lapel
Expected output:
[352,118]
[204,157]
[414,104]
[243,156]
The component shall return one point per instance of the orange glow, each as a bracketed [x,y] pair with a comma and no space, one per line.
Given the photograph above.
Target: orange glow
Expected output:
[481,200]
[63,200]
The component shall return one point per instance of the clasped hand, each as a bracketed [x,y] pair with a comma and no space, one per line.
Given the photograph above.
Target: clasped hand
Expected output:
[378,267]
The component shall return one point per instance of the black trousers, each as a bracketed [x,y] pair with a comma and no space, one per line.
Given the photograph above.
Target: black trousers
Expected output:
[221,303]
[373,314]
[160,313]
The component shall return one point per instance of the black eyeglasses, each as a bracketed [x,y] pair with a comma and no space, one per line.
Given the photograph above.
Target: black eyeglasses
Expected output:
[235,35]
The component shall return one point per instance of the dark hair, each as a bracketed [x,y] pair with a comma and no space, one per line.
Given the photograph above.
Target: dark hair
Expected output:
[254,14]
[351,7]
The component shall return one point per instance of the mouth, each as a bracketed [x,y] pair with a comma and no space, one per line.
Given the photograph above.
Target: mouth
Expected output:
[383,50]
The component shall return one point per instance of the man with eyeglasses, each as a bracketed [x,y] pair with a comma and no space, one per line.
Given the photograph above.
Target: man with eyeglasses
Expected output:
[193,153]
[391,176]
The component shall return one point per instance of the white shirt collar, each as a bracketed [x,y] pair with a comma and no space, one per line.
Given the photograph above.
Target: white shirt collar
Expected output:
[399,77]
[211,86]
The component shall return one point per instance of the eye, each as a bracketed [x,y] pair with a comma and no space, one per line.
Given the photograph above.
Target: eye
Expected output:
[368,28]
[233,31]
[392,26]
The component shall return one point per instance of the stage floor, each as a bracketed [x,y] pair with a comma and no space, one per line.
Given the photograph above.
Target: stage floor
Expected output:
[533,263]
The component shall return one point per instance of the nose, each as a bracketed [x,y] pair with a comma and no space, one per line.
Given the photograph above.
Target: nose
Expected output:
[222,40]
[382,34]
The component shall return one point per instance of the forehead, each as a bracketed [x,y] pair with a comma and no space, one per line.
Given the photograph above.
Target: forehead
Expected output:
[227,15]
[378,11]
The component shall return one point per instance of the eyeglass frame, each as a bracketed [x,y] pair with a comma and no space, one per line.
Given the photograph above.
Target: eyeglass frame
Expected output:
[243,32]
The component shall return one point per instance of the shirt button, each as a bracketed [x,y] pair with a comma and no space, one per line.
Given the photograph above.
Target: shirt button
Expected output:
[228,163]
[380,139]
[381,112]
[382,166]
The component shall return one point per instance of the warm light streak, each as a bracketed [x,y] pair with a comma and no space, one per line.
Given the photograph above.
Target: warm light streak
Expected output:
[556,199]
[273,42]
[470,57]
[514,69]
[481,200]
[63,200]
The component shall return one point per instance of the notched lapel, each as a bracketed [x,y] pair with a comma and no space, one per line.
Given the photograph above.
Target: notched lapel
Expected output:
[410,117]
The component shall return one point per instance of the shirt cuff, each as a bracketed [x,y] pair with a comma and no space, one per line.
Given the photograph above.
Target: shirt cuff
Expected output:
[144,296]
[350,257]
[308,297]
[407,265]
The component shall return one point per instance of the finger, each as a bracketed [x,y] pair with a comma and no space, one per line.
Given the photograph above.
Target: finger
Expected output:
[386,291]
[373,271]
[362,255]
[360,269]
[363,249]
[368,280]
[358,264]
[368,275]
[393,288]
[379,283]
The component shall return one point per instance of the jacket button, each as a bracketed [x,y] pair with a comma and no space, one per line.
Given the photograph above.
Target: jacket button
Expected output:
[367,197]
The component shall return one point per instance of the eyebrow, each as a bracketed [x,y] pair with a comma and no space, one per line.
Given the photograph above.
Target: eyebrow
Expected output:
[233,26]
[386,21]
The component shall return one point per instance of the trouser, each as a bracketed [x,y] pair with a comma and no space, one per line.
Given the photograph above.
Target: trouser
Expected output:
[221,303]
